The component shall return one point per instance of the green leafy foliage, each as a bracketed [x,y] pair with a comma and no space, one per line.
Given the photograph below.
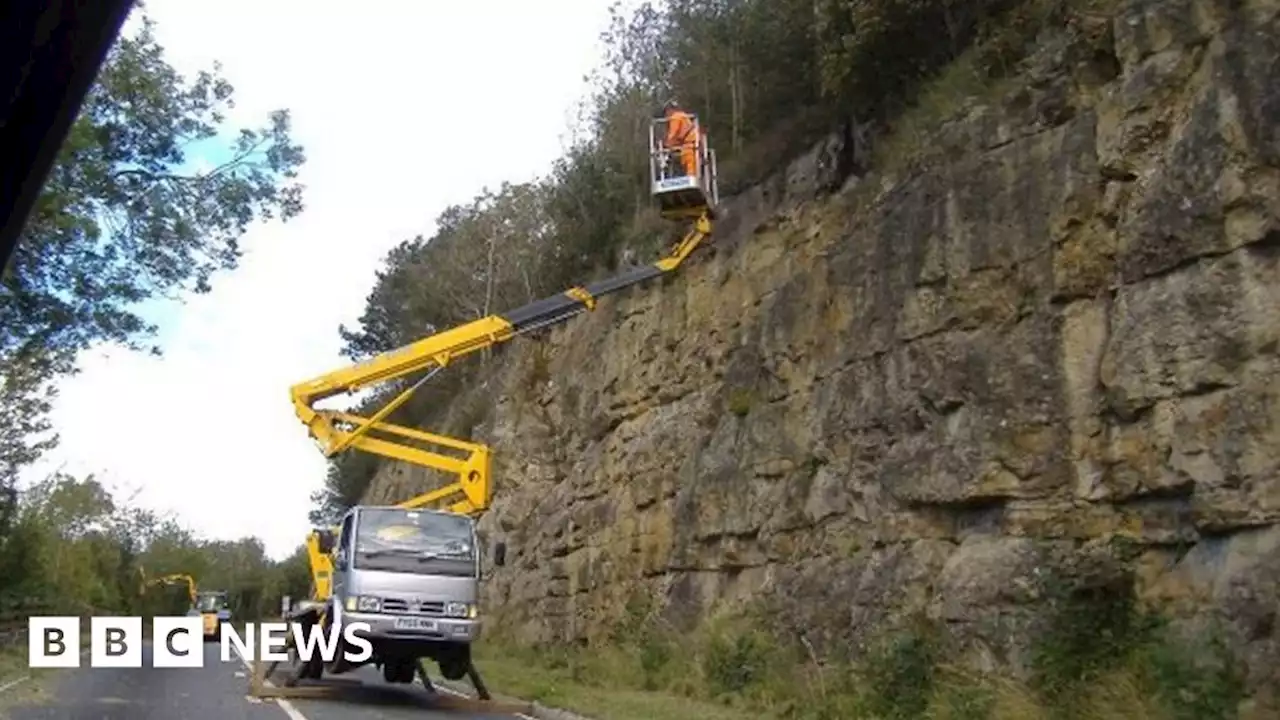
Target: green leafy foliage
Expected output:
[484,256]
[75,546]
[903,676]
[25,400]
[1099,631]
[914,670]
[127,215]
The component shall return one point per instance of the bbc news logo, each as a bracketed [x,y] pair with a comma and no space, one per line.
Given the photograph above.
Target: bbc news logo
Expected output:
[178,642]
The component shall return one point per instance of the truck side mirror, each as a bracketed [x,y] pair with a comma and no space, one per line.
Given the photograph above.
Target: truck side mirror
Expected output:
[500,554]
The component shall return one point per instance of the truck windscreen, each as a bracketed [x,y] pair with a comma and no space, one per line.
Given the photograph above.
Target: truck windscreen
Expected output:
[423,534]
[211,603]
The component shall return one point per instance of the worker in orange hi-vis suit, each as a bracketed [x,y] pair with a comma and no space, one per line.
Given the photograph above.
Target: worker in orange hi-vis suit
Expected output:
[682,134]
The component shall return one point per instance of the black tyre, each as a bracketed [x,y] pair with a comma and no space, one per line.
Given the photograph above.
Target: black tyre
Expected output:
[399,671]
[454,665]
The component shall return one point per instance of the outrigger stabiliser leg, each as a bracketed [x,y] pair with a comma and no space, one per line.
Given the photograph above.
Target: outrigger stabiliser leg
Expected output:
[473,675]
[262,687]
[482,691]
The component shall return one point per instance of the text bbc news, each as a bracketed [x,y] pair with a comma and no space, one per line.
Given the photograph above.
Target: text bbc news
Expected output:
[178,642]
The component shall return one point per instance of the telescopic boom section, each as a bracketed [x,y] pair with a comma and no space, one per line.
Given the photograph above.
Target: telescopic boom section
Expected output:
[336,431]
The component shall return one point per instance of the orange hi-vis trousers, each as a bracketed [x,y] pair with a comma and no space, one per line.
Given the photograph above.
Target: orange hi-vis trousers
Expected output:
[687,153]
[689,157]
[682,136]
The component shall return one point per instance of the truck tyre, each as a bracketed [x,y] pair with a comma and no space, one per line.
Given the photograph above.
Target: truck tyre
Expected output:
[311,669]
[454,665]
[399,671]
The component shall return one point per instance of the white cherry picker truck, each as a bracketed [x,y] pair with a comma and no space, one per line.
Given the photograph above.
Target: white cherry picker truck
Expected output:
[412,570]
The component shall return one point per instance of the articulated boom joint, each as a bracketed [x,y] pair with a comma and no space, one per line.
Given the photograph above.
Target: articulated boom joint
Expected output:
[583,296]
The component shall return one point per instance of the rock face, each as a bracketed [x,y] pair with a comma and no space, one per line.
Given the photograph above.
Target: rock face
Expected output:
[921,392]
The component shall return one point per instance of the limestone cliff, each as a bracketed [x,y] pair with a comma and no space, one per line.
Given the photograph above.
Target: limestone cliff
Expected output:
[923,388]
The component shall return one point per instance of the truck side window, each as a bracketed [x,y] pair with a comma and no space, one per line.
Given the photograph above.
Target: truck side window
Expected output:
[344,537]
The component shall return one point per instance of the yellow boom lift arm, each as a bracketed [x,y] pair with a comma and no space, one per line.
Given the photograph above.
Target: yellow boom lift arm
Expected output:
[680,197]
[471,492]
[337,431]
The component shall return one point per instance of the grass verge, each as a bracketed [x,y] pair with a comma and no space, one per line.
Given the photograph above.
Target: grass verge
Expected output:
[528,675]
[1095,655]
[13,665]
[13,662]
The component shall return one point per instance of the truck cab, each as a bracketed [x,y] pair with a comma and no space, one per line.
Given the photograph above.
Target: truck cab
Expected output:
[214,609]
[413,575]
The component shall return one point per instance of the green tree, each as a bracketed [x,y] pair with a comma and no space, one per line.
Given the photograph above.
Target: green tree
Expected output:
[63,545]
[25,400]
[127,216]
[80,549]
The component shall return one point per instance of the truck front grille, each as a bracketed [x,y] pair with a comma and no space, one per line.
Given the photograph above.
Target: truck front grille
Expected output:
[409,607]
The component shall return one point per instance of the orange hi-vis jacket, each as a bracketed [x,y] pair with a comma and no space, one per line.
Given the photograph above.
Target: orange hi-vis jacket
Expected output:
[682,134]
[680,130]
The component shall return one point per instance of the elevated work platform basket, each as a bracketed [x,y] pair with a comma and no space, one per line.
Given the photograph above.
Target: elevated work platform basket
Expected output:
[682,170]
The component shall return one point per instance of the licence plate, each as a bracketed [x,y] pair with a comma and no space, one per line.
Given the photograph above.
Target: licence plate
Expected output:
[412,623]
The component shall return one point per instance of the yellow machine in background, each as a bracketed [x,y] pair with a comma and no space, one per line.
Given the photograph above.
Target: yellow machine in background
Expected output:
[211,605]
[214,609]
[175,579]
[679,196]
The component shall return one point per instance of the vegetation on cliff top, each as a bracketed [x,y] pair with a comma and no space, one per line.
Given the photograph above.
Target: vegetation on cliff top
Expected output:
[768,77]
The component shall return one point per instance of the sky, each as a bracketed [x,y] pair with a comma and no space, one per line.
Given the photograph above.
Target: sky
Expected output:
[403,107]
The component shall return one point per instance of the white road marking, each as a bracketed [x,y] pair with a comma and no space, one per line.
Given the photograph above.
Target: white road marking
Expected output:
[14,683]
[283,704]
[84,653]
[456,693]
[295,714]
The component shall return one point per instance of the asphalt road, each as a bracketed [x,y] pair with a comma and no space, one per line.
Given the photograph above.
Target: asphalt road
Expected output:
[218,691]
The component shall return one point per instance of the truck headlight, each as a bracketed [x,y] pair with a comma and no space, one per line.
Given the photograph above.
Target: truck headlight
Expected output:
[460,610]
[364,603]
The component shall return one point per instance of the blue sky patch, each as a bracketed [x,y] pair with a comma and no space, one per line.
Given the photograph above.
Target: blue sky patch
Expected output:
[166,313]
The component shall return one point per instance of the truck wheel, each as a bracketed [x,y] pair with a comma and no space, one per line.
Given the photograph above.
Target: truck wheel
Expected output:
[455,664]
[296,668]
[400,671]
[313,669]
